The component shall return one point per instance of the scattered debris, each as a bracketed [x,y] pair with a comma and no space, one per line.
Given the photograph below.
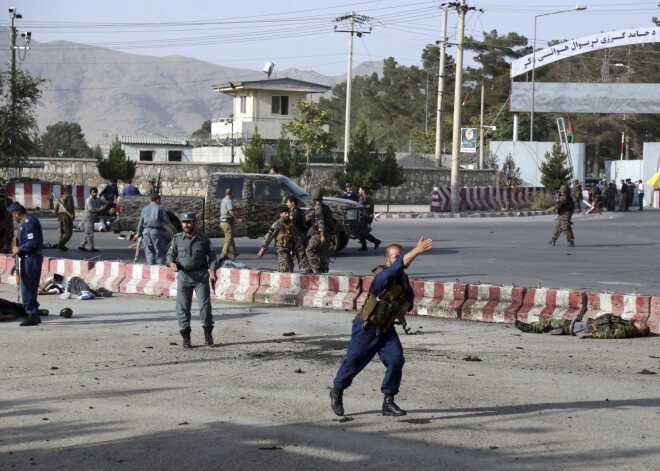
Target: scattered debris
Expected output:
[299,371]
[270,447]
[493,447]
[472,358]
[343,419]
[646,372]
[184,423]
[54,368]
[173,343]
[288,334]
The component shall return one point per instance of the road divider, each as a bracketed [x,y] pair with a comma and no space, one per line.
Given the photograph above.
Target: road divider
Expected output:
[438,299]
[540,304]
[492,303]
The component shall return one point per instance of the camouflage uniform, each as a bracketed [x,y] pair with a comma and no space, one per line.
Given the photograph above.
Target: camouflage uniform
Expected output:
[565,208]
[6,224]
[283,234]
[596,195]
[577,194]
[606,326]
[610,196]
[300,237]
[65,221]
[150,189]
[318,252]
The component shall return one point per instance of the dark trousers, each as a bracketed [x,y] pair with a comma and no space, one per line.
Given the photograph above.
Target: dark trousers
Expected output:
[641,200]
[30,276]
[362,347]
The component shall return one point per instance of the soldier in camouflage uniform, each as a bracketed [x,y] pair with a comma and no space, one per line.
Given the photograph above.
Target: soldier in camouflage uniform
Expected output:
[66,213]
[151,189]
[606,326]
[299,226]
[6,222]
[367,201]
[565,207]
[282,232]
[319,245]
[596,196]
[577,193]
[610,196]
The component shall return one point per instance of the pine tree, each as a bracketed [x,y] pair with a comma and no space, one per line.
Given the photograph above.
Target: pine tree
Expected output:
[255,154]
[554,172]
[390,172]
[362,167]
[510,173]
[286,159]
[116,166]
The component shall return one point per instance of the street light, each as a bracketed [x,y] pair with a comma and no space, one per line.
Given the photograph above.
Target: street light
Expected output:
[619,64]
[531,121]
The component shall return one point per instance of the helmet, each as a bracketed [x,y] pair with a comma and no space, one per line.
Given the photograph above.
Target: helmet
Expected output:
[349,185]
[563,189]
[66,312]
[284,209]
[188,216]
[152,179]
[13,207]
[316,194]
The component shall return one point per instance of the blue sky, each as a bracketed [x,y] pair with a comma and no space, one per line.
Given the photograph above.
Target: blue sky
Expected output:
[294,33]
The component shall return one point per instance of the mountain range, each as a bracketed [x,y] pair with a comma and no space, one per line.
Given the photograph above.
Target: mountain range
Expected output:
[113,93]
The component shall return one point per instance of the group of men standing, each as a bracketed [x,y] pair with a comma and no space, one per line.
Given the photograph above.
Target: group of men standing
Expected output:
[604,195]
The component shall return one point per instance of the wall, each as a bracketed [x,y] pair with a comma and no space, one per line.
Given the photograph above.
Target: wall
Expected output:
[183,178]
[160,152]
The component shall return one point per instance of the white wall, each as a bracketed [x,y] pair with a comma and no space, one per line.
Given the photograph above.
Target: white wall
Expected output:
[637,169]
[529,155]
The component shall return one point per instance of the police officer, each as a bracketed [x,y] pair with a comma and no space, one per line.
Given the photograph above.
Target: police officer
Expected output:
[282,232]
[299,226]
[6,223]
[350,192]
[151,228]
[390,297]
[92,210]
[318,247]
[565,208]
[66,213]
[367,201]
[28,246]
[192,257]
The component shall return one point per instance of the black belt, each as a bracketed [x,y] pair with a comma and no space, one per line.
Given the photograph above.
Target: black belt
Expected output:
[154,227]
[226,220]
[33,254]
[204,267]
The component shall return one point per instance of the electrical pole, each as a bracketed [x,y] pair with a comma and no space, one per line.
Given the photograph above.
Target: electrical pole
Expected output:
[347,125]
[439,116]
[481,128]
[456,136]
[13,34]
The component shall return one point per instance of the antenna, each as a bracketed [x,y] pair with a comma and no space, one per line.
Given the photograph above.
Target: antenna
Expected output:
[268,68]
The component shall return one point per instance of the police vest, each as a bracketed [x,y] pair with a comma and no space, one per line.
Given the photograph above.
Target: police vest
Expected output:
[284,237]
[378,312]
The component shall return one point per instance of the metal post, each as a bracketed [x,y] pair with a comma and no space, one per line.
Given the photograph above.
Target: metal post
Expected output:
[456,137]
[481,128]
[439,117]
[347,128]
[531,118]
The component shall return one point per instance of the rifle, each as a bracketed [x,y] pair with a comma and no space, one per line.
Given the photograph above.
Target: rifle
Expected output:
[137,249]
[17,271]
[393,310]
[57,200]
[158,181]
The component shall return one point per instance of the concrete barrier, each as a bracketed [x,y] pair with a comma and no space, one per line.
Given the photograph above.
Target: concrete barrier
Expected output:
[335,291]
[287,289]
[148,279]
[108,275]
[654,315]
[236,285]
[439,299]
[543,303]
[3,264]
[631,307]
[492,303]
[68,267]
[10,279]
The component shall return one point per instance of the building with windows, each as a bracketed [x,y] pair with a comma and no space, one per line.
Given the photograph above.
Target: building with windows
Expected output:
[156,149]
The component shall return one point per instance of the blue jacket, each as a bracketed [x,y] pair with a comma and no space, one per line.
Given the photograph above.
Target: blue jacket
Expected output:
[383,280]
[30,237]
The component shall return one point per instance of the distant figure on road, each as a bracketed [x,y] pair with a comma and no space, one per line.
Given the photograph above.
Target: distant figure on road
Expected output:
[130,189]
[228,217]
[368,201]
[565,208]
[577,193]
[605,326]
[350,193]
[92,210]
[640,194]
[282,232]
[151,228]
[623,203]
[66,213]
[610,196]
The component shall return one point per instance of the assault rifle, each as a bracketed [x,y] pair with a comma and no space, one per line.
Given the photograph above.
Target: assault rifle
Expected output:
[17,271]
[392,311]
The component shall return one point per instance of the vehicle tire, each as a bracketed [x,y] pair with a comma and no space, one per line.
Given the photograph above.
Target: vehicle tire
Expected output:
[172,228]
[342,241]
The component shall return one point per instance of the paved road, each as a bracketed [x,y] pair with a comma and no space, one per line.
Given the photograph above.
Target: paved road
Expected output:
[616,251]
[112,389]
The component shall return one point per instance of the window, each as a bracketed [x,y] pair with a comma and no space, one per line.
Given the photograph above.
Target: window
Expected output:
[267,190]
[279,105]
[243,104]
[146,155]
[174,155]
[236,184]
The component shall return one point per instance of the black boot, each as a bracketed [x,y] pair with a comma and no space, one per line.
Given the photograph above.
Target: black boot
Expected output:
[377,244]
[571,244]
[185,333]
[363,248]
[208,338]
[337,401]
[33,319]
[390,408]
[523,326]
[552,242]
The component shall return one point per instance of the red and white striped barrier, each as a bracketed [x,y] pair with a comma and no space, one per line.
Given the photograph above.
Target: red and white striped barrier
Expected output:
[148,279]
[338,292]
[236,285]
[654,316]
[282,288]
[492,303]
[80,193]
[7,277]
[630,307]
[435,200]
[30,195]
[67,267]
[540,304]
[441,199]
[437,299]
[108,275]
[485,198]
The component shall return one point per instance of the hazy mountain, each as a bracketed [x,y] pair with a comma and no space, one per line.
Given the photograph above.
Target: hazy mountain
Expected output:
[114,93]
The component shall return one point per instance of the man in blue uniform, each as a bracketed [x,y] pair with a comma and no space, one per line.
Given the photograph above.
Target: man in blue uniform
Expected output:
[350,193]
[390,298]
[28,246]
[151,228]
[193,259]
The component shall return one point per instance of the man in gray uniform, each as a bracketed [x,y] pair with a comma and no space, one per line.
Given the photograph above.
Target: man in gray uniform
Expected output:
[192,257]
[228,217]
[92,210]
[152,230]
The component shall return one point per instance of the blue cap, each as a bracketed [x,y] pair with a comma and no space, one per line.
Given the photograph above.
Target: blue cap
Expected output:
[13,207]
[348,184]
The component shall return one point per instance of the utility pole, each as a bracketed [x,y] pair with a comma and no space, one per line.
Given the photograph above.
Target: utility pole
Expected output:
[481,129]
[439,116]
[13,34]
[360,19]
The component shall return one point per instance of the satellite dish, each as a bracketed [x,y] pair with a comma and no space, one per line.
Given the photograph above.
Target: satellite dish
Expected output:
[268,68]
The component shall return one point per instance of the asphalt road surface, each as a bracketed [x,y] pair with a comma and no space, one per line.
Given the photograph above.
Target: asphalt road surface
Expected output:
[112,389]
[617,251]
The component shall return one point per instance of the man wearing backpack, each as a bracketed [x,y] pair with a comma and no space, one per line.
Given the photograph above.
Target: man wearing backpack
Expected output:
[282,232]
[318,248]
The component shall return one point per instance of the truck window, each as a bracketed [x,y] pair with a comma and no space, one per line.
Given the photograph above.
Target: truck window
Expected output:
[267,190]
[293,188]
[235,184]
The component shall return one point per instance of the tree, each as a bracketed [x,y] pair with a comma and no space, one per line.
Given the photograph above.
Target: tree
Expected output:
[390,172]
[19,96]
[204,131]
[286,159]
[510,173]
[65,139]
[116,166]
[362,167]
[554,172]
[97,153]
[255,154]
[308,129]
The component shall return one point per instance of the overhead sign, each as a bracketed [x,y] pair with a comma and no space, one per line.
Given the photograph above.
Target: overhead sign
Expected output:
[469,140]
[624,37]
